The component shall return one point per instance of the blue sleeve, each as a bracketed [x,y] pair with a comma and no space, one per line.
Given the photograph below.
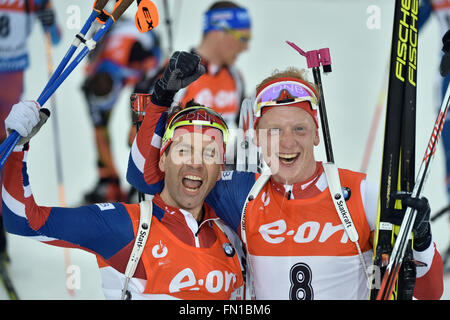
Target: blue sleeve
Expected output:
[135,177]
[227,198]
[102,228]
[425,10]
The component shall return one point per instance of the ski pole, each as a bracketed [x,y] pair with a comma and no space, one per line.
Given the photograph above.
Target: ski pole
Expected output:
[314,59]
[79,38]
[398,252]
[10,142]
[119,9]
[168,22]
[440,213]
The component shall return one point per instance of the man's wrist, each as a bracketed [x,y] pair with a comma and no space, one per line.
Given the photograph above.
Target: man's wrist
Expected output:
[162,97]
[423,241]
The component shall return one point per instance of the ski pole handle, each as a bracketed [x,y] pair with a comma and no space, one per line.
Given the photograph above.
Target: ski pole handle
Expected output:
[315,58]
[99,5]
[120,8]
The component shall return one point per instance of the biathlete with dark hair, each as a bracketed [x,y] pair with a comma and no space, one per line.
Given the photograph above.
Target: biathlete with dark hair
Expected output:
[172,246]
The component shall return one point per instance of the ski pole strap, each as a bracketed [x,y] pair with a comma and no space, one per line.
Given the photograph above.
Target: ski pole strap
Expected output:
[254,191]
[146,212]
[238,294]
[334,185]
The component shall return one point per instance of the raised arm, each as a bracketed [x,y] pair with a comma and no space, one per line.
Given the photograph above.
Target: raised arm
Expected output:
[143,172]
[103,229]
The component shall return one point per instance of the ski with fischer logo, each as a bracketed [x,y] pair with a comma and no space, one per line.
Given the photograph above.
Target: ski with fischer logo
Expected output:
[398,159]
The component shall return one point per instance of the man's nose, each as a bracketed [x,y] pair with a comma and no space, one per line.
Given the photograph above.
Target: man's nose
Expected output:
[196,160]
[287,139]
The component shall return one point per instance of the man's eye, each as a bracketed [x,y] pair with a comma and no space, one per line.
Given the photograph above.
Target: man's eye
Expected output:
[183,151]
[210,153]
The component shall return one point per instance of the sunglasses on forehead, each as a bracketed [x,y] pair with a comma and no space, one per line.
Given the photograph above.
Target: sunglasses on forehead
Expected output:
[196,116]
[284,93]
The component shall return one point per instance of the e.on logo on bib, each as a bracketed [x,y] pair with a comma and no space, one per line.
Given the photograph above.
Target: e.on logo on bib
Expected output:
[276,232]
[215,281]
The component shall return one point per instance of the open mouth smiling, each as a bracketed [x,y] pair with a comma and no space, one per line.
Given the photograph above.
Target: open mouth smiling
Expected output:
[288,158]
[192,183]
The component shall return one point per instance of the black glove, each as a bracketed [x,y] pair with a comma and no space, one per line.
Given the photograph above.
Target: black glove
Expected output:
[445,61]
[183,69]
[421,227]
[46,16]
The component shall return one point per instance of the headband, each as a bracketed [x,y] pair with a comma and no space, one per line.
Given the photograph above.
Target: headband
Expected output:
[229,18]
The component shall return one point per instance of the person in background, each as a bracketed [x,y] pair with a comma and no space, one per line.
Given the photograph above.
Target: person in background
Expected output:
[119,61]
[16,23]
[226,34]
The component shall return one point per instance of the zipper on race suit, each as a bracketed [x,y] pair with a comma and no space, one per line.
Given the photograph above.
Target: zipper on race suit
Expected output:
[194,226]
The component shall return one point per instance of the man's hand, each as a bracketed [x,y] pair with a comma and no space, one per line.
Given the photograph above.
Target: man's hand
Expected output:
[445,61]
[421,227]
[46,16]
[26,117]
[183,69]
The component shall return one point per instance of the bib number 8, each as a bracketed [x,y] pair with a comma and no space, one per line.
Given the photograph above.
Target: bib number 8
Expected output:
[300,276]
[4,26]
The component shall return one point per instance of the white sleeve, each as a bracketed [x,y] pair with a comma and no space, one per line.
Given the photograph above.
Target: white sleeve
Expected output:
[369,194]
[425,257]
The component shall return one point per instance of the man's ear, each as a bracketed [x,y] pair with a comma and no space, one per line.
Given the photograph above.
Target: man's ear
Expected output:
[317,138]
[162,162]
[219,176]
